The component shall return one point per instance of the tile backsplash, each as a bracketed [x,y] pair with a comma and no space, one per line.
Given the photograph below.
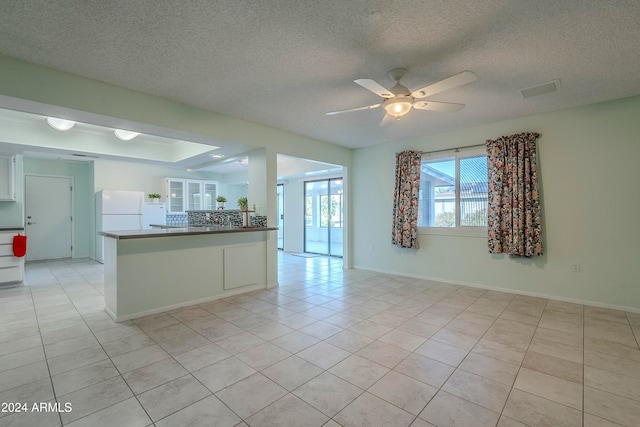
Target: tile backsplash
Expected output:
[177,219]
[221,217]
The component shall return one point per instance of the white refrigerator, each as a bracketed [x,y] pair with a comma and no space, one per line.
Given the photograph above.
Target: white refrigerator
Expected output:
[117,210]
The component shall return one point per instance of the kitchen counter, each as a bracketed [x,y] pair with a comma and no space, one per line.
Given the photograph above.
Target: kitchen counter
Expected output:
[151,271]
[180,231]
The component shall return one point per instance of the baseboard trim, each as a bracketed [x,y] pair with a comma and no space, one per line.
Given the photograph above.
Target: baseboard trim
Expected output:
[507,290]
[182,304]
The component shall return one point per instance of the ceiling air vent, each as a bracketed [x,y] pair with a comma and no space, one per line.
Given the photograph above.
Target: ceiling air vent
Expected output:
[541,89]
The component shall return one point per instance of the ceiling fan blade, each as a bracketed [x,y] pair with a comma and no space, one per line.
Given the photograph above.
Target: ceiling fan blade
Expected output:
[368,107]
[387,119]
[447,107]
[446,84]
[375,87]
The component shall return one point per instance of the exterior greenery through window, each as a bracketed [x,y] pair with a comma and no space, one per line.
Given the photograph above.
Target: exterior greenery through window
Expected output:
[453,189]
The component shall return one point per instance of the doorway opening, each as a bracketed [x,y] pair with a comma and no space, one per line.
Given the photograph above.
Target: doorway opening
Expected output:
[323,205]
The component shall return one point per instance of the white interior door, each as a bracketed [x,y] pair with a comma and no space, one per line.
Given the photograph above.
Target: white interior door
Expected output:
[48,217]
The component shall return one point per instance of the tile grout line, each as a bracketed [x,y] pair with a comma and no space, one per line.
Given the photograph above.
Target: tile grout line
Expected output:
[108,357]
[35,312]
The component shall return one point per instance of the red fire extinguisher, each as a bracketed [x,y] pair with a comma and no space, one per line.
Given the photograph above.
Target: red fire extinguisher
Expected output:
[19,245]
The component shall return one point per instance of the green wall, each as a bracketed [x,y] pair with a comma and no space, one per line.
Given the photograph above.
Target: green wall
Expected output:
[83,211]
[591,203]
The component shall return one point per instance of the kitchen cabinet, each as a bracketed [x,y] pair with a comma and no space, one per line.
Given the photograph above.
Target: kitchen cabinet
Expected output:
[175,195]
[194,195]
[7,178]
[190,195]
[210,192]
[11,267]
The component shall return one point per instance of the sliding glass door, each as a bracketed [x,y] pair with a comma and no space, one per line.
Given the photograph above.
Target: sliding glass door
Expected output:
[323,216]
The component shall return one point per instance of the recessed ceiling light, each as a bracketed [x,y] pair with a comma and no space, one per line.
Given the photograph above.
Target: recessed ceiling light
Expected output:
[60,124]
[125,135]
[216,156]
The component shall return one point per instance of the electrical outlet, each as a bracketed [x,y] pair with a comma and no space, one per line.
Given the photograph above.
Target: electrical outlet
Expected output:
[575,267]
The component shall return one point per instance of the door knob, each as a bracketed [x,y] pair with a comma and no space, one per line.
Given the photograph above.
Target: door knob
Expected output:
[30,223]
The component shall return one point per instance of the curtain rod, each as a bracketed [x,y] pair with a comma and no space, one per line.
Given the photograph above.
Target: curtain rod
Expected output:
[456,149]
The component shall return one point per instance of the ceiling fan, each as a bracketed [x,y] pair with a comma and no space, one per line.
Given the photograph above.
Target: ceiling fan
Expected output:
[398,100]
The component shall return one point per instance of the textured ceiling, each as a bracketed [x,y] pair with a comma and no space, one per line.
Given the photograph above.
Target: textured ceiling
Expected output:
[286,63]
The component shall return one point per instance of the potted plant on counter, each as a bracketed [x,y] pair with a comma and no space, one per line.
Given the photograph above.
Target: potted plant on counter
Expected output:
[243,203]
[154,197]
[221,201]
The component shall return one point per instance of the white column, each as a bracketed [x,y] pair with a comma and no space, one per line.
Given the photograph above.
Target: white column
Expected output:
[262,176]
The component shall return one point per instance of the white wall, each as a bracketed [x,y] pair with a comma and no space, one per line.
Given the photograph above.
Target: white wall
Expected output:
[293,215]
[115,175]
[233,192]
[590,197]
[233,186]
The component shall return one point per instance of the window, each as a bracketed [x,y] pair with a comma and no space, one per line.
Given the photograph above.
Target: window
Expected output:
[453,189]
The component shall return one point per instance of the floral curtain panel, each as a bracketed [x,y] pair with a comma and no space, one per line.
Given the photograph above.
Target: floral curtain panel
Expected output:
[514,221]
[405,201]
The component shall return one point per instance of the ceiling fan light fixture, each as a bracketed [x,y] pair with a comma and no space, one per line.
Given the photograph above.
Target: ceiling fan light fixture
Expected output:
[60,124]
[125,135]
[398,106]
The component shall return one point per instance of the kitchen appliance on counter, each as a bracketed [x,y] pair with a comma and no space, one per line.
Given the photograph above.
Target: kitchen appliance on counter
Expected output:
[154,213]
[117,210]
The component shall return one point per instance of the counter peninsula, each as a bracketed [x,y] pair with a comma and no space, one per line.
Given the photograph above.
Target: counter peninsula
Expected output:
[150,271]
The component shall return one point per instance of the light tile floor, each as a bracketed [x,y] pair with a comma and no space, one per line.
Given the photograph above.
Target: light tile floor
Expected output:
[328,347]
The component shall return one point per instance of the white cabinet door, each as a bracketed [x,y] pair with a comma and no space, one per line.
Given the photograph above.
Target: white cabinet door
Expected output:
[11,267]
[7,178]
[194,195]
[175,195]
[239,266]
[190,195]
[209,195]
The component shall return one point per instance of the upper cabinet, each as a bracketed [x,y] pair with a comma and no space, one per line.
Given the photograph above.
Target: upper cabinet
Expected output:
[7,178]
[175,195]
[190,195]
[209,194]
